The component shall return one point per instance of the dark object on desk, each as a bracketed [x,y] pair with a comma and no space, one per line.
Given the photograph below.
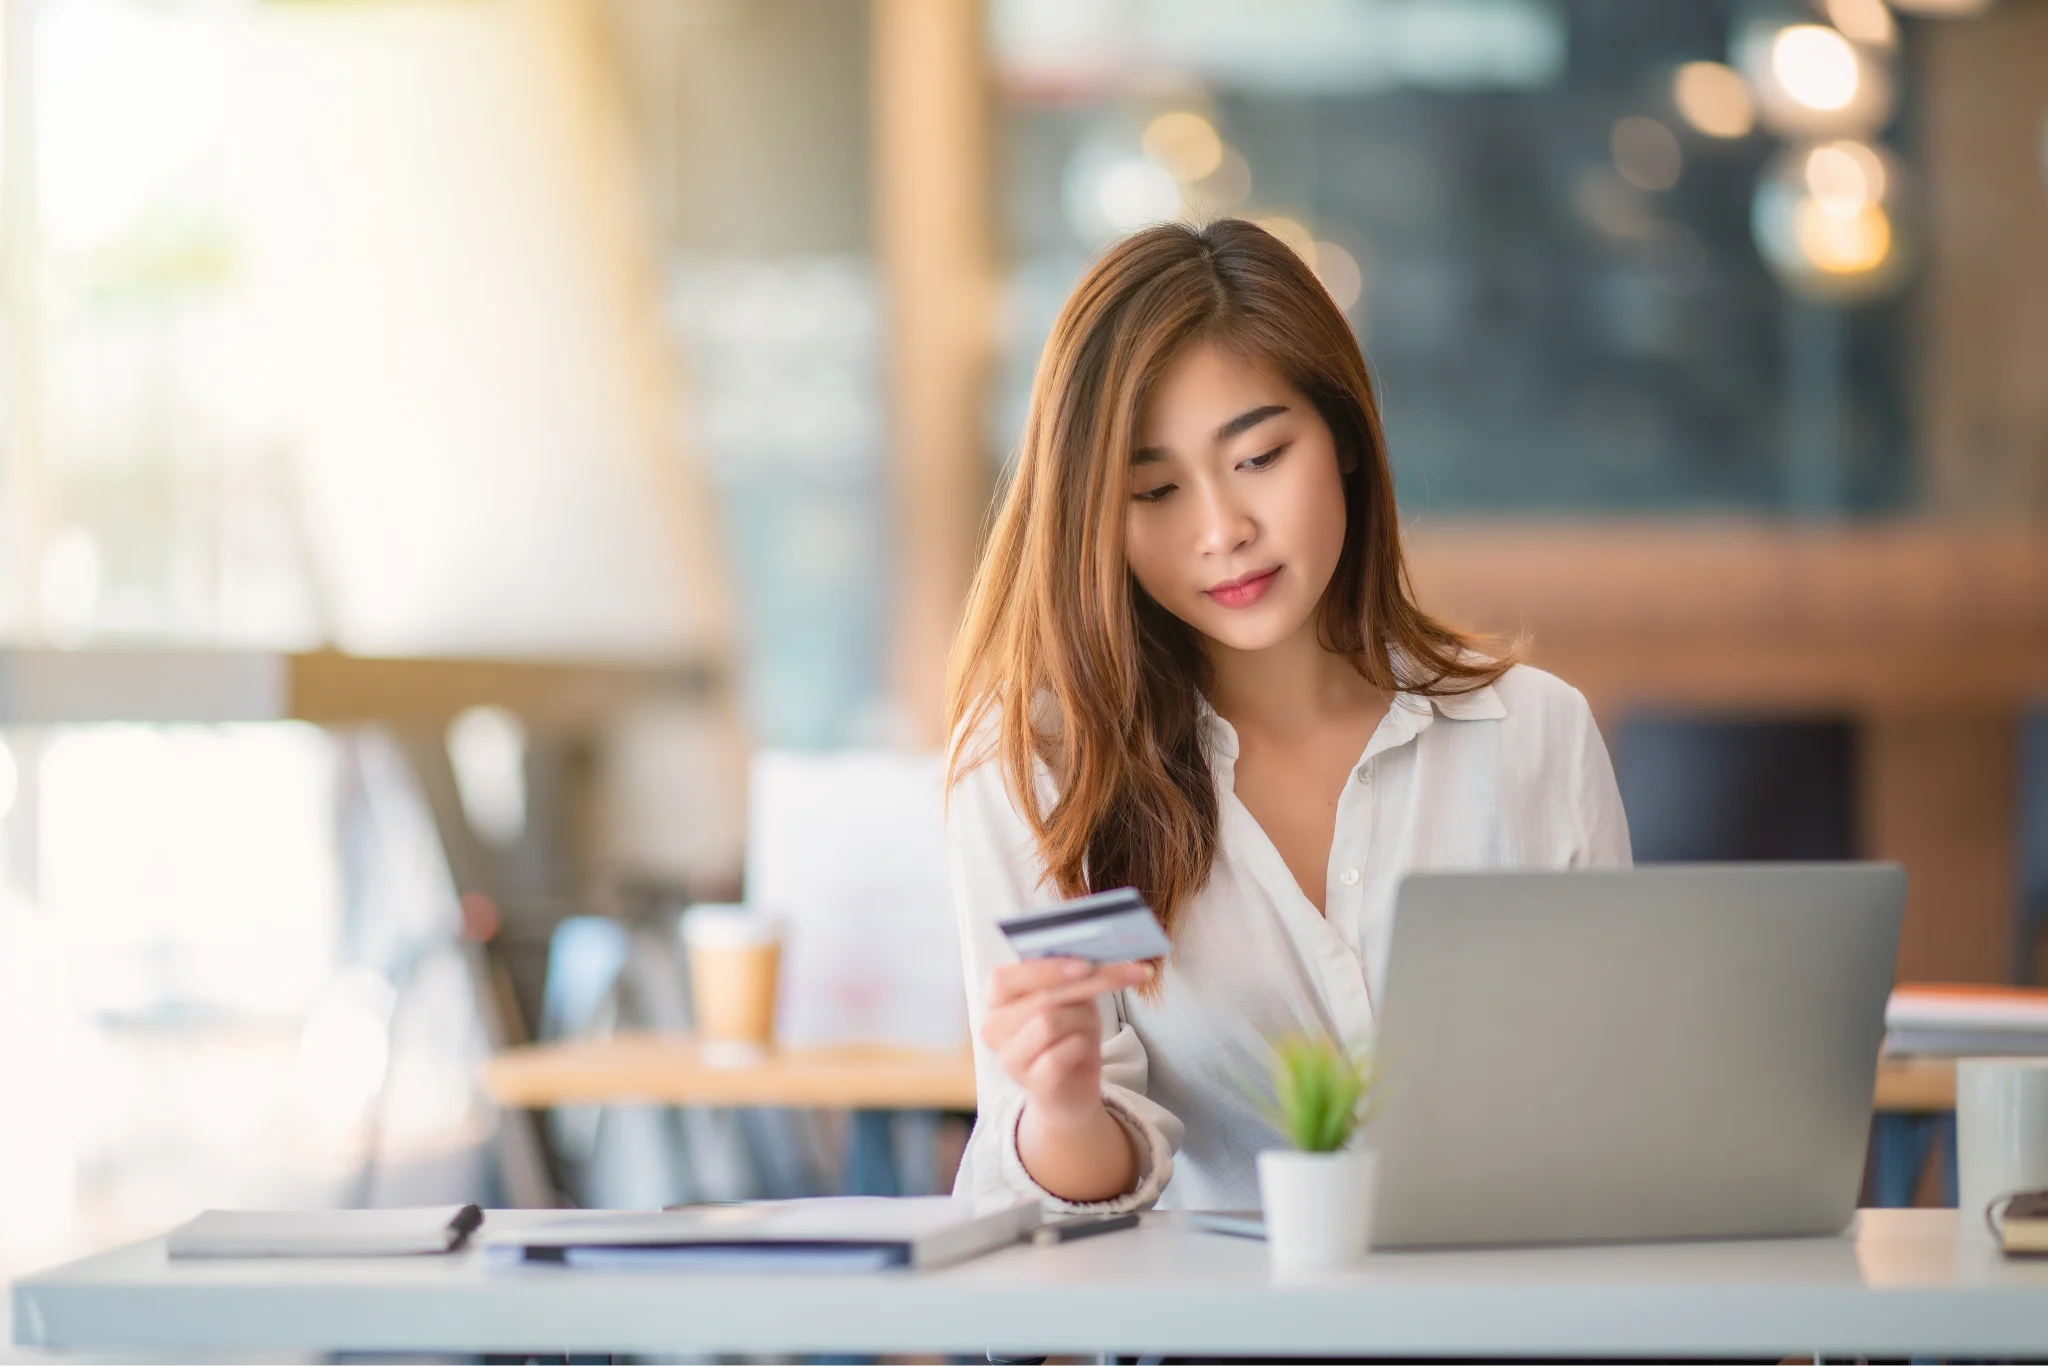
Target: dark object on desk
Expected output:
[2020,1223]
[1238,1223]
[325,1232]
[1081,1226]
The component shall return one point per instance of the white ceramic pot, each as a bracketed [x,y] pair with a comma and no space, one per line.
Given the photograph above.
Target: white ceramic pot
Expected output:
[1318,1207]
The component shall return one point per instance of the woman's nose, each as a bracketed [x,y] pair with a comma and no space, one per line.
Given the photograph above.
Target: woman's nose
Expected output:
[1226,522]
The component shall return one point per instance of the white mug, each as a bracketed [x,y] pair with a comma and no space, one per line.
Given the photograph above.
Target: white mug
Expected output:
[2001,1132]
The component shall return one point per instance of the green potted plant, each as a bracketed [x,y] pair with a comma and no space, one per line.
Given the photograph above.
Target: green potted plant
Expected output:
[1317,1193]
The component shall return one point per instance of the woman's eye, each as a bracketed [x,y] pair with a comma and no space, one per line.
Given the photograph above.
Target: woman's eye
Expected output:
[1259,462]
[1153,495]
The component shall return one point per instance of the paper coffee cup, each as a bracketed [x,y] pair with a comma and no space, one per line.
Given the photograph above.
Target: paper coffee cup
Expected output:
[735,957]
[2001,1132]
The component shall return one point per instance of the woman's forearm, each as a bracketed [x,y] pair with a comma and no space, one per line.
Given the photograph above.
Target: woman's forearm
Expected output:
[1079,1158]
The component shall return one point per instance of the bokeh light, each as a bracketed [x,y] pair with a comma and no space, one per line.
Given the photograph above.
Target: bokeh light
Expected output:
[1290,230]
[1809,80]
[1339,271]
[1646,153]
[1845,176]
[1227,188]
[1111,187]
[1136,192]
[1839,243]
[1184,144]
[1864,21]
[1827,220]
[1714,99]
[1815,65]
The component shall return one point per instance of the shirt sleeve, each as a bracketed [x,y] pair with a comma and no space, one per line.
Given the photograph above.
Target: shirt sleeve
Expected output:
[996,873]
[1602,840]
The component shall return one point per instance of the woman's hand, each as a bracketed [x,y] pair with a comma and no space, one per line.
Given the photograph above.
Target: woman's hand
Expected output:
[1044,1027]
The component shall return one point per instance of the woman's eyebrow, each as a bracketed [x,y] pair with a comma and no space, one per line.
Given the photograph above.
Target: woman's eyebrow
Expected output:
[1237,426]
[1245,421]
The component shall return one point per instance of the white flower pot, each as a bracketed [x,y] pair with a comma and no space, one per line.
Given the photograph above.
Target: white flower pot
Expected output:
[1318,1207]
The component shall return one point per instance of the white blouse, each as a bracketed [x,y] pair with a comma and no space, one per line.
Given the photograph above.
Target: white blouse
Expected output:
[1510,776]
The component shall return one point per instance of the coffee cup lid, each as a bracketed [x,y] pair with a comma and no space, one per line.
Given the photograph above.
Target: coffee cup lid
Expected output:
[729,926]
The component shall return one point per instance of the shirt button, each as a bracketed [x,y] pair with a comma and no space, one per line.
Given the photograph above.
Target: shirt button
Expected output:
[1364,774]
[1349,877]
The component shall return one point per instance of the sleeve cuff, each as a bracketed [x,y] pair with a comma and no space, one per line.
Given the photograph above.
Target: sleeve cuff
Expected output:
[1154,1155]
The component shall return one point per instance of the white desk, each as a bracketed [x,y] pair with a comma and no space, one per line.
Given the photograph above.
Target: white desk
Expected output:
[1899,1285]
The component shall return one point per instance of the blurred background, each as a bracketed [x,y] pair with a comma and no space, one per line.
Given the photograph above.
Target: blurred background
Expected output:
[443,442]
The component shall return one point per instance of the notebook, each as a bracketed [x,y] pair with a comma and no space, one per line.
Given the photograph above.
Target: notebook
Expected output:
[1961,1019]
[325,1232]
[860,1233]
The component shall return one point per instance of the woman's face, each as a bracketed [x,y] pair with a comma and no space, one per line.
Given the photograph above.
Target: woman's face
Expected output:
[1236,514]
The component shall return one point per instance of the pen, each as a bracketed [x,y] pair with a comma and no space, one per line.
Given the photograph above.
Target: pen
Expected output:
[1081,1226]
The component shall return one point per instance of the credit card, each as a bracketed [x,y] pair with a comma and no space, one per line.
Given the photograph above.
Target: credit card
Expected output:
[1108,927]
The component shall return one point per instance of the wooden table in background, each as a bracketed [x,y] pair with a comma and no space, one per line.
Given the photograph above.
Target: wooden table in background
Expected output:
[1912,1103]
[668,1070]
[1916,1086]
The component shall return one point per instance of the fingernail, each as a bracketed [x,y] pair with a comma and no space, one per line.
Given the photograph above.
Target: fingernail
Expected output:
[1077,968]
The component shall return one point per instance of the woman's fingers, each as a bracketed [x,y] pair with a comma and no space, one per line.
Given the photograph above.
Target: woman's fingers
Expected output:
[1046,1070]
[1036,1033]
[1074,980]
[1042,1033]
[1012,981]
[1045,1028]
[1070,978]
[1004,1021]
[1046,1008]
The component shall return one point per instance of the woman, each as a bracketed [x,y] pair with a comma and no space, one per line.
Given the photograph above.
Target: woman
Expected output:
[1191,663]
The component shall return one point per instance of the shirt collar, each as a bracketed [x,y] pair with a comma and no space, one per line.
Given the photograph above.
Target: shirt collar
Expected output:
[1481,704]
[1410,715]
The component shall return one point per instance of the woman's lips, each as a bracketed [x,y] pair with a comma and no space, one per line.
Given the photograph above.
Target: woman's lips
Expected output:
[1245,591]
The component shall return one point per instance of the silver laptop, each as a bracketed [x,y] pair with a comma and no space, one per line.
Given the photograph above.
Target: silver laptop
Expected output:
[1669,1052]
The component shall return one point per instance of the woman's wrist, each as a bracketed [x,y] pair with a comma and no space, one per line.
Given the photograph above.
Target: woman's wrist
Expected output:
[1077,1117]
[1079,1154]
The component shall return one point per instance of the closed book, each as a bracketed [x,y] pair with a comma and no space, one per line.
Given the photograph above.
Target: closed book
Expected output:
[831,1235]
[324,1232]
[1929,1007]
[1964,1043]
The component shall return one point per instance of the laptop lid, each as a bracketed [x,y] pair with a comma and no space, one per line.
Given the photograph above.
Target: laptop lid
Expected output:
[1666,1052]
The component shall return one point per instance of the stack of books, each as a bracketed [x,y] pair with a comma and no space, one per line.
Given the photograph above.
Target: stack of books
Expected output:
[1957,1020]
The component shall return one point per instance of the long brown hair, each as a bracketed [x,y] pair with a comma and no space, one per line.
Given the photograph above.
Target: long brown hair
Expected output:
[1078,666]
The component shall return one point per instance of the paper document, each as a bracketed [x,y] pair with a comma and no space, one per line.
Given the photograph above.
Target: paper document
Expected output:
[849,847]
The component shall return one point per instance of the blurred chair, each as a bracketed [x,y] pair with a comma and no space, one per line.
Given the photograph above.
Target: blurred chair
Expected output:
[848,847]
[585,954]
[604,976]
